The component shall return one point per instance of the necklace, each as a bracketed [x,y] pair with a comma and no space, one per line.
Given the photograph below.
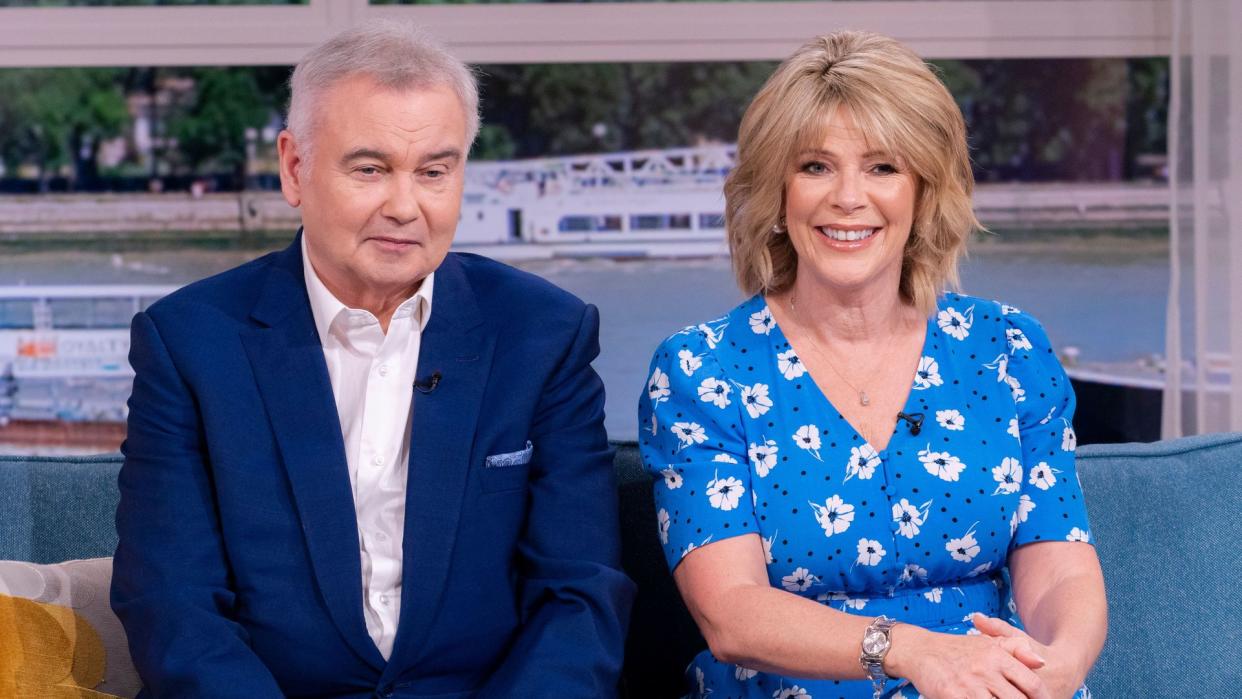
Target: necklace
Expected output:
[863,399]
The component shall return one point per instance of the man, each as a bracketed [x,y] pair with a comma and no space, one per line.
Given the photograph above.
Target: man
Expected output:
[364,466]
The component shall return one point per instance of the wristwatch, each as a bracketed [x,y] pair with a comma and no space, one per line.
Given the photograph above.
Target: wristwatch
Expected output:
[877,639]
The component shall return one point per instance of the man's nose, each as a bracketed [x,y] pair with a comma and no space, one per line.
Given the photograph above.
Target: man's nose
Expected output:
[402,205]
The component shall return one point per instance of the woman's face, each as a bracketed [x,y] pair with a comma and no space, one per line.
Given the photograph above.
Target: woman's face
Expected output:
[849,209]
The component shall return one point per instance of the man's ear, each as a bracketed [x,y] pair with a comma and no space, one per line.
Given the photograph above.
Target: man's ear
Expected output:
[291,163]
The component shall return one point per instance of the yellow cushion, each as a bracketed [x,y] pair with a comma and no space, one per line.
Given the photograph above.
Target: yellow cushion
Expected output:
[58,636]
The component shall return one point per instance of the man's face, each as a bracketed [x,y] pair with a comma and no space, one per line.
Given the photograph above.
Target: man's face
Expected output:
[381,194]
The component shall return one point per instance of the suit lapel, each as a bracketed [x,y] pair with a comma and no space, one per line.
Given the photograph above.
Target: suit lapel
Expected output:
[287,359]
[457,344]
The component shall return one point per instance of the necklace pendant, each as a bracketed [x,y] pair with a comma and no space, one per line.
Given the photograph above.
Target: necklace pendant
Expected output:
[863,399]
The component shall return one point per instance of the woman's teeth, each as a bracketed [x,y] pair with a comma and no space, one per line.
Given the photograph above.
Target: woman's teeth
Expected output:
[847,236]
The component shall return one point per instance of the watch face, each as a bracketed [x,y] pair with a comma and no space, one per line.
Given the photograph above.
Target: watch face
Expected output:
[875,642]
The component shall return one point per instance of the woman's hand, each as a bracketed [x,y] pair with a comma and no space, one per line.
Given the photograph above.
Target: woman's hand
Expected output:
[1059,674]
[949,666]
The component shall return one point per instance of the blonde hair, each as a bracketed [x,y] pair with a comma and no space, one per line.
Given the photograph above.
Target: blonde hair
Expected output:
[902,107]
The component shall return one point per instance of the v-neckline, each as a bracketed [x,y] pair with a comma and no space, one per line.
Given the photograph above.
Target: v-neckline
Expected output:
[905,405]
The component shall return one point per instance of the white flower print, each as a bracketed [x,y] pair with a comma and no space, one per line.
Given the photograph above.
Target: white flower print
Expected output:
[1043,476]
[657,386]
[863,462]
[1069,440]
[1008,476]
[715,391]
[1048,418]
[909,518]
[724,459]
[934,595]
[1077,534]
[713,335]
[965,548]
[672,478]
[1013,523]
[954,324]
[763,457]
[1008,310]
[743,673]
[980,570]
[761,321]
[928,374]
[689,362]
[807,437]
[790,365]
[655,425]
[1025,505]
[1017,340]
[1013,428]
[951,420]
[870,552]
[835,515]
[941,464]
[724,493]
[794,692]
[699,679]
[767,548]
[799,580]
[1001,365]
[846,602]
[663,519]
[756,399]
[689,433]
[912,571]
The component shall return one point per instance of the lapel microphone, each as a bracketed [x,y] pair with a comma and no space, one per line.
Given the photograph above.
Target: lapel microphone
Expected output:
[428,384]
[915,420]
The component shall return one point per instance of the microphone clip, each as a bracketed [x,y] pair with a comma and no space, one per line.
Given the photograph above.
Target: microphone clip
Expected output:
[914,420]
[429,384]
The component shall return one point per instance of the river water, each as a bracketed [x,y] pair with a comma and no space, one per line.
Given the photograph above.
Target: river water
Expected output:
[1104,295]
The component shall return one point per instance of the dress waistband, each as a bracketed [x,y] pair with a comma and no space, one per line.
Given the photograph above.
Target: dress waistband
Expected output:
[929,606]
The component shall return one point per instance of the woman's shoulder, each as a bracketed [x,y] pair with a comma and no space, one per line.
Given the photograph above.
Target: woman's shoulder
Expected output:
[750,317]
[962,316]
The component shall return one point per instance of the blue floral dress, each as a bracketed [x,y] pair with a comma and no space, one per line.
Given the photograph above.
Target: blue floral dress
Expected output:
[742,440]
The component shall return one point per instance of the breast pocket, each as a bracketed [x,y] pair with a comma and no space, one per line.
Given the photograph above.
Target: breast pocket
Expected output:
[508,470]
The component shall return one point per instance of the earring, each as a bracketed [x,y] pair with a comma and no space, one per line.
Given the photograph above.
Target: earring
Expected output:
[779,228]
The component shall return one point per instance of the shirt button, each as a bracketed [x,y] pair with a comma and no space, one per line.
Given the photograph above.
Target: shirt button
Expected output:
[384,600]
[383,370]
[381,536]
[377,460]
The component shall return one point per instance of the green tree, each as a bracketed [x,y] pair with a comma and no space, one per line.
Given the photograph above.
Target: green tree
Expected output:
[211,131]
[55,117]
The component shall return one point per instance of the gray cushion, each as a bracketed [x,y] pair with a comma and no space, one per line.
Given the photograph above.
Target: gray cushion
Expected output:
[1167,522]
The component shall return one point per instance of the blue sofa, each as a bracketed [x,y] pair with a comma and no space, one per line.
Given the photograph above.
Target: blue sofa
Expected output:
[1167,519]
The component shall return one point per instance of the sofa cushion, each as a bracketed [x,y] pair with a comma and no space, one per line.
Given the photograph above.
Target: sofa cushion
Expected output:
[58,635]
[58,508]
[1167,525]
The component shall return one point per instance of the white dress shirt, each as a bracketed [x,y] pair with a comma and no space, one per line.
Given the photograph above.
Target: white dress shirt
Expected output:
[373,376]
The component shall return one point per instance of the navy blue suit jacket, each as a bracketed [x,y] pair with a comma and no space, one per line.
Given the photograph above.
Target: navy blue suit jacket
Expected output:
[238,573]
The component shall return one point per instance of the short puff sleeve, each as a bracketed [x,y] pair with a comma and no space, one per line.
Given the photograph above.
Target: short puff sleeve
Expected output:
[1051,506]
[691,438]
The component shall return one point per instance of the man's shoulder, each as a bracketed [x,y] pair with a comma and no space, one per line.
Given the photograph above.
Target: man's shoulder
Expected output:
[503,291]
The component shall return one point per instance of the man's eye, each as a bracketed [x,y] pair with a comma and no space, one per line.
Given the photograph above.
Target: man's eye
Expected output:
[436,174]
[368,170]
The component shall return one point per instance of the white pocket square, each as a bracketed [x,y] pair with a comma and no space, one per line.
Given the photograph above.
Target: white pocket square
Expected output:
[513,458]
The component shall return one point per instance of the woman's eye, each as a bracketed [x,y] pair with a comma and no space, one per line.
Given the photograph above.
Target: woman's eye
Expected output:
[884,169]
[815,168]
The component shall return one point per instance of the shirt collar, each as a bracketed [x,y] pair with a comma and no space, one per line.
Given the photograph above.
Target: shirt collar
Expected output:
[326,307]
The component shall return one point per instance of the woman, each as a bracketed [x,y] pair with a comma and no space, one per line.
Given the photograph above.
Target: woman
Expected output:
[853,445]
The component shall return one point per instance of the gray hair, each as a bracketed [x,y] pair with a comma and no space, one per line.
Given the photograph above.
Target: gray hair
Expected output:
[396,55]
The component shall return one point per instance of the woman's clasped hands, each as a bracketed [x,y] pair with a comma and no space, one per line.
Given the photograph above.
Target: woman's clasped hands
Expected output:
[998,662]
